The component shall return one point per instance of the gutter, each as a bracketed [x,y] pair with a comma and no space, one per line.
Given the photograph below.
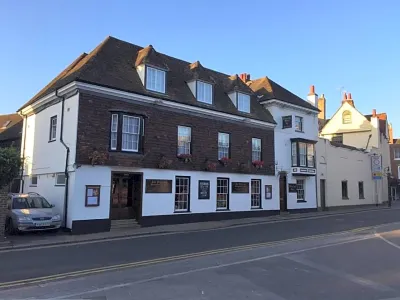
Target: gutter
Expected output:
[66,158]
[23,155]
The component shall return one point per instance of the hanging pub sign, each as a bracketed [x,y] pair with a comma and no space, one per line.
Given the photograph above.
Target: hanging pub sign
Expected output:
[286,122]
[204,189]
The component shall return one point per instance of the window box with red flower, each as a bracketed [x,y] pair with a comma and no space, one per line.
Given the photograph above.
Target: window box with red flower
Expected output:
[258,164]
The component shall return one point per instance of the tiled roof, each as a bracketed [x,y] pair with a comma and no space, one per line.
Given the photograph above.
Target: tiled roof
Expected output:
[346,146]
[267,89]
[112,64]
[10,127]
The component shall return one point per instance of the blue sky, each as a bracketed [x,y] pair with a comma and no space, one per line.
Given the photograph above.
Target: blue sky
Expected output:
[331,44]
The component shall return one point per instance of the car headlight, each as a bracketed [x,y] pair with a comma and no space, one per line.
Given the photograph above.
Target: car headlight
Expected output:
[24,218]
[56,218]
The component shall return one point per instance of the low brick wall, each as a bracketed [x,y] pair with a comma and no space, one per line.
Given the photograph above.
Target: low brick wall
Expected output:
[3,210]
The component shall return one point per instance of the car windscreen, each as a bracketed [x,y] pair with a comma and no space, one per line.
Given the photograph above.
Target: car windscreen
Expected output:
[30,202]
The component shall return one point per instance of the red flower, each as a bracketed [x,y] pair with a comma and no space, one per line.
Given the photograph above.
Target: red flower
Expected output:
[258,164]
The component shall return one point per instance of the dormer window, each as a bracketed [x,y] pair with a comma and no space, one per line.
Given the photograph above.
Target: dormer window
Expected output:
[204,92]
[5,124]
[243,102]
[155,80]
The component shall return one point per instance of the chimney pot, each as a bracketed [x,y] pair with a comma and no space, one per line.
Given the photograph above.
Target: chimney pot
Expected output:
[312,90]
[243,76]
[374,112]
[344,97]
[349,96]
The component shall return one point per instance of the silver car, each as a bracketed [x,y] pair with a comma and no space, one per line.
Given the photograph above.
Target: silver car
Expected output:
[30,212]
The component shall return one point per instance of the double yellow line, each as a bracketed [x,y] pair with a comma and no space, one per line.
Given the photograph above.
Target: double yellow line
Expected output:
[67,275]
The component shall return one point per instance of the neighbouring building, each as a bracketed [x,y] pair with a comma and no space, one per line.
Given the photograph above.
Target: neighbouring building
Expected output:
[395,168]
[361,136]
[10,136]
[296,134]
[126,132]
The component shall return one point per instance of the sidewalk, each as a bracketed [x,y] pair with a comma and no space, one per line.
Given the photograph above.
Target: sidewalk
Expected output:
[47,239]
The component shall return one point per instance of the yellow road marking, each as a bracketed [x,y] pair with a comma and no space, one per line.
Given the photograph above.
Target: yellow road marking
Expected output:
[167,259]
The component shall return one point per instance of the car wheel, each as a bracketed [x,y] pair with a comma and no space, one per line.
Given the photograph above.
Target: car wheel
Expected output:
[10,227]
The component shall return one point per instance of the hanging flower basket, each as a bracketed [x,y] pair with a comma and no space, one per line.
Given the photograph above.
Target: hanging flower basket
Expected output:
[186,158]
[258,164]
[225,161]
[98,157]
[210,166]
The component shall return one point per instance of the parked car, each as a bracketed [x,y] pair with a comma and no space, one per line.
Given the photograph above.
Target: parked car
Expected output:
[30,212]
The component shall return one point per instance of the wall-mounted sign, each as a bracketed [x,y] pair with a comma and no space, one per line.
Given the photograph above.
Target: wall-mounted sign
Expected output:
[268,192]
[92,197]
[376,167]
[240,187]
[304,171]
[292,188]
[204,189]
[286,122]
[158,186]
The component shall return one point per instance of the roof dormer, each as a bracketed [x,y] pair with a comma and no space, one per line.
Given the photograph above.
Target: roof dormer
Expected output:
[239,93]
[202,84]
[152,69]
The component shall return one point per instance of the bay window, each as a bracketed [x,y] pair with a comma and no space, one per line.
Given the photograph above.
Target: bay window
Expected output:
[302,153]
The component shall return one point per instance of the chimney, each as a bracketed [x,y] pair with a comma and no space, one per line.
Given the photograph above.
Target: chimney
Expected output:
[312,97]
[322,107]
[390,129]
[344,98]
[347,98]
[245,77]
[374,113]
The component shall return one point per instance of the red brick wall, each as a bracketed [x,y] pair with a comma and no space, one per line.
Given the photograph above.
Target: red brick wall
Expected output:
[161,137]
[394,163]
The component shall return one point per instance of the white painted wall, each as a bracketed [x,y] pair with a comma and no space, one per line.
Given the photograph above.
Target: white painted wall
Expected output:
[141,71]
[192,86]
[162,204]
[45,159]
[336,164]
[283,150]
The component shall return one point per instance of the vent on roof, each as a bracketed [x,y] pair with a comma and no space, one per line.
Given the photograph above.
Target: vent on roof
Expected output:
[5,124]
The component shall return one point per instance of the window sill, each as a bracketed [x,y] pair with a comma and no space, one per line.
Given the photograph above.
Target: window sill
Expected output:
[33,186]
[156,92]
[222,209]
[301,201]
[345,198]
[182,212]
[256,208]
[50,141]
[361,198]
[59,185]
[126,152]
[299,131]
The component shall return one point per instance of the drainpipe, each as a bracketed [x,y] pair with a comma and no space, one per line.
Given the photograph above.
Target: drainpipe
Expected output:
[369,138]
[66,159]
[23,156]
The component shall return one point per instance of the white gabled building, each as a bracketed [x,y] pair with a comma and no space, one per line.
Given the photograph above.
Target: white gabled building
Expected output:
[296,134]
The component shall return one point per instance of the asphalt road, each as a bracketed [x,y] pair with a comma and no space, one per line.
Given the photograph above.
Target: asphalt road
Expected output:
[21,265]
[355,265]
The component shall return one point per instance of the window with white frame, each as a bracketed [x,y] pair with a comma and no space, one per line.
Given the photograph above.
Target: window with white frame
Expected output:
[346,117]
[300,190]
[243,102]
[222,193]
[256,149]
[294,154]
[204,92]
[114,132]
[155,80]
[182,193]
[60,179]
[396,153]
[184,140]
[223,145]
[34,180]
[130,133]
[53,128]
[299,123]
[303,154]
[310,155]
[255,193]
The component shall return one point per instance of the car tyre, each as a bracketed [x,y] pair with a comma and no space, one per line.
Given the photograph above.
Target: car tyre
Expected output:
[10,229]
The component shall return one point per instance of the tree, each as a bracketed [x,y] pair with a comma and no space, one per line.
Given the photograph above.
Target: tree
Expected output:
[10,163]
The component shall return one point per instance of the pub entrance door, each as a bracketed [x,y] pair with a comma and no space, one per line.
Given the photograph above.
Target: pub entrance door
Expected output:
[126,196]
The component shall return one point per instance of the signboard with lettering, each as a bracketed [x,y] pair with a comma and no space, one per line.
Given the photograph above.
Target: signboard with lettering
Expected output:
[268,192]
[204,189]
[376,167]
[240,187]
[158,186]
[286,122]
[292,188]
